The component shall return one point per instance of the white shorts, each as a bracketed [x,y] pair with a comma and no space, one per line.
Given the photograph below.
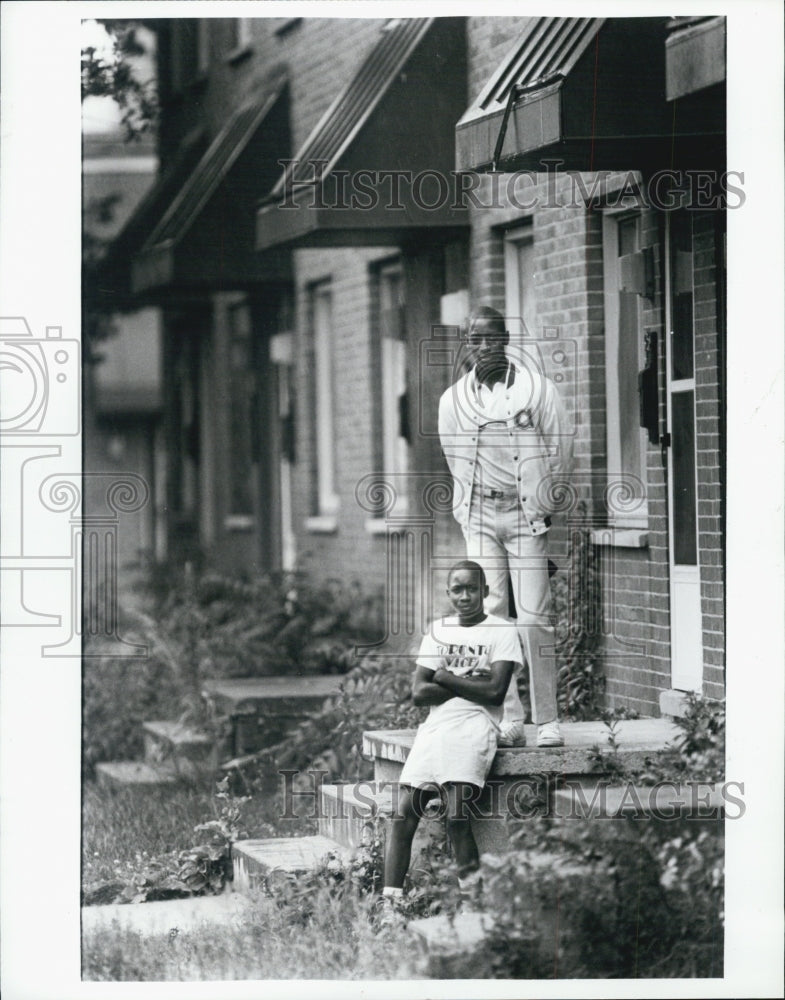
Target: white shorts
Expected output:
[455,749]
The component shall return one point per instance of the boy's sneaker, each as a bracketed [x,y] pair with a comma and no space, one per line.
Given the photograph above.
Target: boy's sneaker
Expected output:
[389,914]
[470,891]
[549,735]
[511,734]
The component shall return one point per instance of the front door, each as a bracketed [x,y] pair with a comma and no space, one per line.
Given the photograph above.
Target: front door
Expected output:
[685,596]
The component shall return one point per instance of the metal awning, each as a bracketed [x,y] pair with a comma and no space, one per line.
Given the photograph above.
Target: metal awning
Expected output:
[113,279]
[395,115]
[571,89]
[694,55]
[205,238]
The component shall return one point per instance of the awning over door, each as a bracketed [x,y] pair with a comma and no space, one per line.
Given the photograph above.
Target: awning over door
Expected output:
[205,238]
[113,280]
[394,117]
[694,55]
[587,91]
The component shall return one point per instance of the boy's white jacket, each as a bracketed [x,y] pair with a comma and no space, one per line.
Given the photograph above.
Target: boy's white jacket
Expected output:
[539,430]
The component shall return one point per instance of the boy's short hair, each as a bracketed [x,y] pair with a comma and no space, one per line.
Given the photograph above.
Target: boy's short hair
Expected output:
[470,565]
[489,315]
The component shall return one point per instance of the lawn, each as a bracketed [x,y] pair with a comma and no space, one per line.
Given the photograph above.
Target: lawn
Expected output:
[338,941]
[328,935]
[125,829]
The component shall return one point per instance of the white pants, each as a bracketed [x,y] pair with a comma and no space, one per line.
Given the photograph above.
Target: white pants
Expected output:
[499,538]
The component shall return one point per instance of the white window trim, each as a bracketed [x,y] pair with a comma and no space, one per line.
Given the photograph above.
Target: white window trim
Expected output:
[610,260]
[395,460]
[244,42]
[328,501]
[514,240]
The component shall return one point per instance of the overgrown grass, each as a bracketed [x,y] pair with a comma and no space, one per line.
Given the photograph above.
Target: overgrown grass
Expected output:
[339,941]
[124,830]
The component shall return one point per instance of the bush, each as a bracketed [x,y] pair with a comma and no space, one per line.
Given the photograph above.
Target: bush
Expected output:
[214,626]
[645,897]
[375,694]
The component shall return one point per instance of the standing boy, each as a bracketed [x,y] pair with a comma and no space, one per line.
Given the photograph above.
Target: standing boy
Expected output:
[504,433]
[463,671]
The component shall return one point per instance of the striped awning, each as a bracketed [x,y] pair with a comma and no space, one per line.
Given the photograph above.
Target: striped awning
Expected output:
[395,114]
[113,281]
[576,90]
[205,236]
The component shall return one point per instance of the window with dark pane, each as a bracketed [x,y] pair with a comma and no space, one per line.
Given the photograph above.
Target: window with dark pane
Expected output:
[241,415]
[628,360]
[685,550]
[682,361]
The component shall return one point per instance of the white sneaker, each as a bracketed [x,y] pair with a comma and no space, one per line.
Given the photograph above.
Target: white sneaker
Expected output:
[549,735]
[389,914]
[511,734]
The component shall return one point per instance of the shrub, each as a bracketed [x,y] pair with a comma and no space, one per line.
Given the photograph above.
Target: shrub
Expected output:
[214,626]
[645,897]
[375,694]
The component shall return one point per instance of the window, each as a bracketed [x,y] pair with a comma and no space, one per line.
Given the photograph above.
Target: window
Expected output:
[241,418]
[391,417]
[624,358]
[190,51]
[324,500]
[240,38]
[184,485]
[520,299]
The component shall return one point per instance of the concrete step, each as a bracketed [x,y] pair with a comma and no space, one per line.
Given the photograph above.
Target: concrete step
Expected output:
[262,710]
[455,948]
[353,814]
[166,916]
[186,750]
[637,740]
[255,862]
[122,773]
[665,802]
[451,947]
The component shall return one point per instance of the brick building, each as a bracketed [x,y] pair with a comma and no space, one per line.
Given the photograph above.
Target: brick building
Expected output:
[314,251]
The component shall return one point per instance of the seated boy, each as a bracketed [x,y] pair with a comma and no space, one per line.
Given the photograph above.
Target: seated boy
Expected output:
[463,672]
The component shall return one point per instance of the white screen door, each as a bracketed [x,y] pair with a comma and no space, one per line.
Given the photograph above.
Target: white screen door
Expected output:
[685,598]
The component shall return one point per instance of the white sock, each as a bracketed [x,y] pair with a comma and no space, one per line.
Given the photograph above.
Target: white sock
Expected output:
[469,881]
[392,892]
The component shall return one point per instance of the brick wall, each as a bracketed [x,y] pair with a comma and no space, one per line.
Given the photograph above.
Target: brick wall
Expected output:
[489,40]
[709,418]
[351,550]
[569,289]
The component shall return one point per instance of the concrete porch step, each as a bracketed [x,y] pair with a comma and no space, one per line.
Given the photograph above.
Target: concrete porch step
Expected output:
[353,814]
[456,948]
[255,862]
[637,740]
[450,948]
[186,750]
[262,710]
[690,800]
[122,773]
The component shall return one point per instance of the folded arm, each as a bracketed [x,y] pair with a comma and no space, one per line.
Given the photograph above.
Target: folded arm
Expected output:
[425,691]
[487,690]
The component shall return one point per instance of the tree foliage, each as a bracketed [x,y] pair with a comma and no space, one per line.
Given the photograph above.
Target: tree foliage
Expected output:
[112,73]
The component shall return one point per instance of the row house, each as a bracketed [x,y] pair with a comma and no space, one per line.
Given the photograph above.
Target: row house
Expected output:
[335,195]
